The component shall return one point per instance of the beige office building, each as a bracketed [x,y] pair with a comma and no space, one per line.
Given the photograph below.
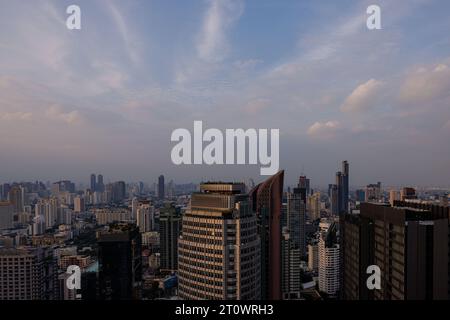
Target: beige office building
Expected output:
[219,249]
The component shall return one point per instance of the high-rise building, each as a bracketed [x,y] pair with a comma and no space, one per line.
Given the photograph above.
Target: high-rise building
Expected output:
[6,215]
[290,267]
[393,196]
[100,186]
[410,245]
[304,183]
[314,206]
[169,231]
[28,274]
[93,183]
[48,209]
[120,262]
[329,261]
[360,195]
[219,248]
[78,204]
[357,235]
[313,257]
[296,219]
[145,217]
[17,198]
[408,193]
[345,185]
[161,191]
[267,202]
[373,192]
[334,200]
[342,183]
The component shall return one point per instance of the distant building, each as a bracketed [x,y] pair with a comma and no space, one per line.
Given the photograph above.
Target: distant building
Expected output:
[373,192]
[6,215]
[169,230]
[16,197]
[79,204]
[161,187]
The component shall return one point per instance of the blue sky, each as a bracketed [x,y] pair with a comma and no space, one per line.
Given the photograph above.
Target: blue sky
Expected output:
[106,98]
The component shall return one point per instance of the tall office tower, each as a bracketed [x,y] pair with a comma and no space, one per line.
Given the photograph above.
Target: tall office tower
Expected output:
[304,183]
[339,183]
[134,208]
[145,216]
[120,262]
[161,191]
[79,204]
[17,197]
[100,186]
[267,201]
[121,191]
[360,195]
[394,195]
[219,247]
[296,220]
[290,267]
[408,193]
[314,211]
[437,211]
[410,245]
[373,192]
[6,215]
[28,274]
[313,257]
[169,231]
[357,234]
[329,261]
[345,185]
[93,183]
[48,208]
[334,200]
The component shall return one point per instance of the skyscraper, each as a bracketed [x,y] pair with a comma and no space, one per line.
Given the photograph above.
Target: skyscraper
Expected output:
[93,183]
[120,262]
[6,215]
[100,186]
[28,274]
[219,248]
[17,198]
[145,217]
[410,246]
[266,201]
[329,261]
[169,231]
[161,191]
[345,185]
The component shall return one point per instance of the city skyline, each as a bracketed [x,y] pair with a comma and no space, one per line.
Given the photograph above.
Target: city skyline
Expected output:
[106,98]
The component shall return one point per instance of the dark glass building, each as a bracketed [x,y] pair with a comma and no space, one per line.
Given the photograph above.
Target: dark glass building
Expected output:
[120,262]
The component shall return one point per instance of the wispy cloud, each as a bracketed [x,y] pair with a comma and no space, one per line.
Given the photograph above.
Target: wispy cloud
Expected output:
[213,44]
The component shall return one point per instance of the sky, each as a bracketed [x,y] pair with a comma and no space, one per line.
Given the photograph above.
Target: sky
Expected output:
[106,98]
